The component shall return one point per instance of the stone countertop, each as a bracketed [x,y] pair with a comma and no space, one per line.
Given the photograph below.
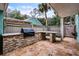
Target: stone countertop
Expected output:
[10,34]
[45,32]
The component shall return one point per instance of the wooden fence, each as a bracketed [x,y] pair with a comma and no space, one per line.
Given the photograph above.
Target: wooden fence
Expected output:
[14,26]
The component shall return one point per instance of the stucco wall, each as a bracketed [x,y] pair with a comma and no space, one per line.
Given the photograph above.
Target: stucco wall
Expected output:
[77,26]
[1,22]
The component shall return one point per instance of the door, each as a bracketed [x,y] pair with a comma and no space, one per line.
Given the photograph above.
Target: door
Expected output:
[1,22]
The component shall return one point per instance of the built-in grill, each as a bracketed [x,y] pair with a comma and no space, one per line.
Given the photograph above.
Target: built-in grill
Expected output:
[27,32]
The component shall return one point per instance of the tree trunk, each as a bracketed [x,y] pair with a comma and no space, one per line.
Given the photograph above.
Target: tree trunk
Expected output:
[46,19]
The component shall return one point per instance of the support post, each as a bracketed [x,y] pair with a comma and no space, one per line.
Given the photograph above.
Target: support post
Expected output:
[52,37]
[41,36]
[32,25]
[62,28]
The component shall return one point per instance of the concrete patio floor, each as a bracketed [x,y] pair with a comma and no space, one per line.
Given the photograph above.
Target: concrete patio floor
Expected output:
[67,47]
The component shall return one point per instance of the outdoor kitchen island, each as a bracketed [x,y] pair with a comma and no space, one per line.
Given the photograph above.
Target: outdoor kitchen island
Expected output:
[52,35]
[12,41]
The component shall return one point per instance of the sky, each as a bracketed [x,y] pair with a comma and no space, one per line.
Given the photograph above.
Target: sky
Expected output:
[26,8]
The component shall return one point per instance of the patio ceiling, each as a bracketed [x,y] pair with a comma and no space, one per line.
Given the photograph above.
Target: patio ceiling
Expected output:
[3,6]
[65,9]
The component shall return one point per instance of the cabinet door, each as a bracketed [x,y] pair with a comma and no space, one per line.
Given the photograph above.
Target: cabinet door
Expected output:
[1,22]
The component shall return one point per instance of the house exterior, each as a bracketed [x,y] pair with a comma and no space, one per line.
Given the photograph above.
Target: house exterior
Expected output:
[3,7]
[1,21]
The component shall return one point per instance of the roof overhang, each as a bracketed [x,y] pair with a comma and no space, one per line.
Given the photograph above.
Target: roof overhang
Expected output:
[65,9]
[3,6]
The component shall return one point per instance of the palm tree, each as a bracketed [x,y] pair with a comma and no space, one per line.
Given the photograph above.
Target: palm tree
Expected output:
[43,8]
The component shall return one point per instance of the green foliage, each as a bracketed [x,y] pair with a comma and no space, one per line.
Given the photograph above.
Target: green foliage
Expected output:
[43,8]
[55,21]
[73,19]
[17,15]
[42,20]
[70,19]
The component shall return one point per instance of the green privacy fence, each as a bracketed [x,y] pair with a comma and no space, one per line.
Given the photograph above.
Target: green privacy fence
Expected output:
[1,21]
